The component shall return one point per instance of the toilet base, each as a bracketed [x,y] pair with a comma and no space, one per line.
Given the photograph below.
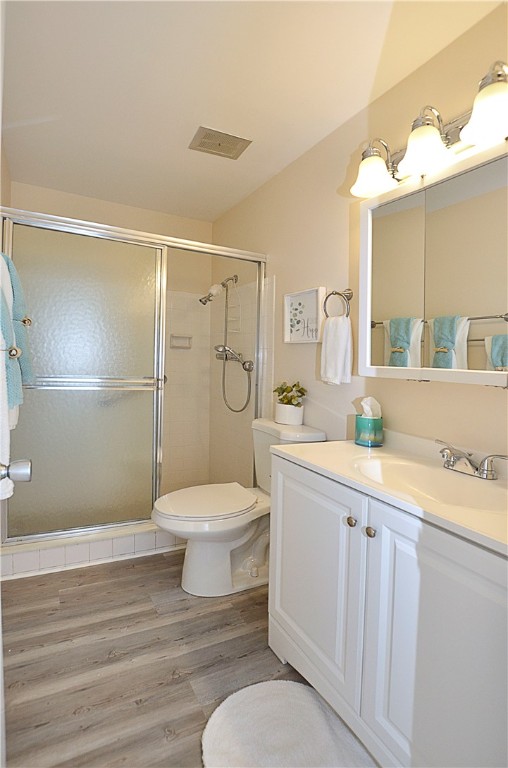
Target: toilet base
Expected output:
[212,569]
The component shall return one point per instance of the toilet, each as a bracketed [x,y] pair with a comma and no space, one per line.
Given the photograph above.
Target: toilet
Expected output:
[226,525]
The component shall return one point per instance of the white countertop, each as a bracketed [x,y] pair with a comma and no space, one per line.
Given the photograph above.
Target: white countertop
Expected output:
[479,511]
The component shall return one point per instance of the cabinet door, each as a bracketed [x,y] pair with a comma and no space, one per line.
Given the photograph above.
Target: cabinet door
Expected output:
[317,572]
[434,681]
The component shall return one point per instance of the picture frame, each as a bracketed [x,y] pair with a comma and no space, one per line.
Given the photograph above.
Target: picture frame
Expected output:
[303,316]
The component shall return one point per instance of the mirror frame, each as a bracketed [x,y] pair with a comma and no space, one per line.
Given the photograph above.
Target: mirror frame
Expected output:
[365,368]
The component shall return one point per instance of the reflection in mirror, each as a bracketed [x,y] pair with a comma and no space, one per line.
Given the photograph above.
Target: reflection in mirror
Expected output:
[466,265]
[442,253]
[398,237]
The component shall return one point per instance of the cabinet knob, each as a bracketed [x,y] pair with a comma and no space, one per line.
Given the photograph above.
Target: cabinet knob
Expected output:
[371,532]
[351,521]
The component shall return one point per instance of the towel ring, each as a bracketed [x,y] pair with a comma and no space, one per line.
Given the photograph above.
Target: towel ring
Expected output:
[346,295]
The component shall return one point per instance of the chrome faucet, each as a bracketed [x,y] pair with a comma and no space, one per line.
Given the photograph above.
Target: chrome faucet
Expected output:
[462,461]
[486,467]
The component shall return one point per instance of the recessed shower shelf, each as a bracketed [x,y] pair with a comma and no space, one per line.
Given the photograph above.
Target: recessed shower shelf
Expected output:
[180,342]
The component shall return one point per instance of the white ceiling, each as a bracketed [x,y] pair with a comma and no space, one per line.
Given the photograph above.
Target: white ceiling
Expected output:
[103,98]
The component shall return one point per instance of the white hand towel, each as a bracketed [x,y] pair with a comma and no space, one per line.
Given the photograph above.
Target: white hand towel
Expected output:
[8,417]
[337,351]
[6,288]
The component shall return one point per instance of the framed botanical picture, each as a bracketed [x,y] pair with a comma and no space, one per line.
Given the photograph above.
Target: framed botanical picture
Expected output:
[303,315]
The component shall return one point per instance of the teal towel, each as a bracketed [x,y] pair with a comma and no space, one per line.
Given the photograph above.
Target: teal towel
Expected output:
[445,333]
[20,330]
[12,367]
[400,340]
[499,351]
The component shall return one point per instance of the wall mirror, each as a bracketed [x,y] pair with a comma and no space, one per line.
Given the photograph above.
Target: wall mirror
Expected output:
[434,277]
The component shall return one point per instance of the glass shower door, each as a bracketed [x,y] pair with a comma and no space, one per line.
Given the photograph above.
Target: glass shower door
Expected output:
[90,422]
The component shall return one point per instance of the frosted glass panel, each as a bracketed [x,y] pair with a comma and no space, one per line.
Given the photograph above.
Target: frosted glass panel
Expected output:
[91,301]
[92,459]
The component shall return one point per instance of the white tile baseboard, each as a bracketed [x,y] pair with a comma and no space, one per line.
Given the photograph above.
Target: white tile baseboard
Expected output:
[29,558]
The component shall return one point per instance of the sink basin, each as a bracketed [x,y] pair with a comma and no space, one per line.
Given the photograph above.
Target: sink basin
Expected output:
[424,482]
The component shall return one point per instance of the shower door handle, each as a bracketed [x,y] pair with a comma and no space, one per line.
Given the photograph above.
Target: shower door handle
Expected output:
[18,471]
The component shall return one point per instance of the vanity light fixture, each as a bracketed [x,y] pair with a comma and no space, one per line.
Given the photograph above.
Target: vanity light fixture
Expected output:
[488,124]
[433,146]
[375,176]
[427,147]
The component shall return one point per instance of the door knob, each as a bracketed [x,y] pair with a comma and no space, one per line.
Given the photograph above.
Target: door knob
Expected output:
[371,532]
[351,521]
[18,471]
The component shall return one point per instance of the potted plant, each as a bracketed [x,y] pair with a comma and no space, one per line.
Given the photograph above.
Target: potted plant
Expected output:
[289,406]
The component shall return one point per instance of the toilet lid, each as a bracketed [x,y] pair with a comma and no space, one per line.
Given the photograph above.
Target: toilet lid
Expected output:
[207,502]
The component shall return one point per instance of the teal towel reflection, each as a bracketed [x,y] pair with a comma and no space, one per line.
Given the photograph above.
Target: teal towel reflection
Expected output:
[445,334]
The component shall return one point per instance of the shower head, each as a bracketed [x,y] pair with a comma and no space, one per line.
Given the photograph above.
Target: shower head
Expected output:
[217,288]
[213,291]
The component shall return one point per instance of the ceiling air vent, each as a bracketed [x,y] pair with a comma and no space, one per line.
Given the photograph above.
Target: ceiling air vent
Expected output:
[217,143]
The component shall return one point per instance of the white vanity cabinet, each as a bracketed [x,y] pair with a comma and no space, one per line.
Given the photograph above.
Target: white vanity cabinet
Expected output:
[400,625]
[318,572]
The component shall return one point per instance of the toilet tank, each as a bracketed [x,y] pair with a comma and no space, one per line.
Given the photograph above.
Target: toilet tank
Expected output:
[266,433]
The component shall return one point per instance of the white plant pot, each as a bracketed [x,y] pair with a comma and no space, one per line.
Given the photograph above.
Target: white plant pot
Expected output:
[288,414]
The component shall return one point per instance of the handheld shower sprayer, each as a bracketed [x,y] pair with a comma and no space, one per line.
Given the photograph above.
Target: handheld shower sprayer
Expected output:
[226,353]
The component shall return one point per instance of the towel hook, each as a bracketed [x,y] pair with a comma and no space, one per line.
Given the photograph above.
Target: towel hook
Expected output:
[346,295]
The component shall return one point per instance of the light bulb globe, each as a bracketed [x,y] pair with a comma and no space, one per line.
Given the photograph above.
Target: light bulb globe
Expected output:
[488,123]
[425,153]
[373,178]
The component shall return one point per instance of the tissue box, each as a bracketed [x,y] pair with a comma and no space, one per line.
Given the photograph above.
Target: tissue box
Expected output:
[369,431]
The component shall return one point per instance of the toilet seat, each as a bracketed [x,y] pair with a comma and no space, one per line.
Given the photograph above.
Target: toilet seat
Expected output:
[219,501]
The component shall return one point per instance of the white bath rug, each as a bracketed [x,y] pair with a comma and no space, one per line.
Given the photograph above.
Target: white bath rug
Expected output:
[279,724]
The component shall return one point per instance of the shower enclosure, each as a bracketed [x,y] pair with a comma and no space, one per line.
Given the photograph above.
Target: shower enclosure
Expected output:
[124,405]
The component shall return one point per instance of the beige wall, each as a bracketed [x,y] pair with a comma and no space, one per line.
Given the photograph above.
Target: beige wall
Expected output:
[307,222]
[51,201]
[5,179]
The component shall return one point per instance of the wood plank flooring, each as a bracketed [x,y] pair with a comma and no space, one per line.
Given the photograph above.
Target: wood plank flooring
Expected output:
[115,665]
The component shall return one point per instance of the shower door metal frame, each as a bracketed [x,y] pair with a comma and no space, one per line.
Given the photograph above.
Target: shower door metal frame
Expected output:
[155,383]
[161,243]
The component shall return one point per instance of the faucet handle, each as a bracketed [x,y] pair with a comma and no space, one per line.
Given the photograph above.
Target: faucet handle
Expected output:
[486,466]
[449,453]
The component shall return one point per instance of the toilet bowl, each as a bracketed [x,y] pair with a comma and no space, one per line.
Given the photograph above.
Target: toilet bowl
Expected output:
[226,525]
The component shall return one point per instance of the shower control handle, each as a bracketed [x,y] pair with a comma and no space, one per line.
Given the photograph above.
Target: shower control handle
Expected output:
[18,471]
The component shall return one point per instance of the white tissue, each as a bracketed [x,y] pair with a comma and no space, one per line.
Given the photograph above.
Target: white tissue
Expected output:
[371,408]
[215,290]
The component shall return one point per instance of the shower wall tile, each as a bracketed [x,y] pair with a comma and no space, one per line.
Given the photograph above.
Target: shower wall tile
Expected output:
[186,394]
[164,539]
[29,558]
[231,456]
[267,349]
[24,562]
[144,541]
[77,553]
[123,546]
[53,557]
[5,565]
[101,550]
